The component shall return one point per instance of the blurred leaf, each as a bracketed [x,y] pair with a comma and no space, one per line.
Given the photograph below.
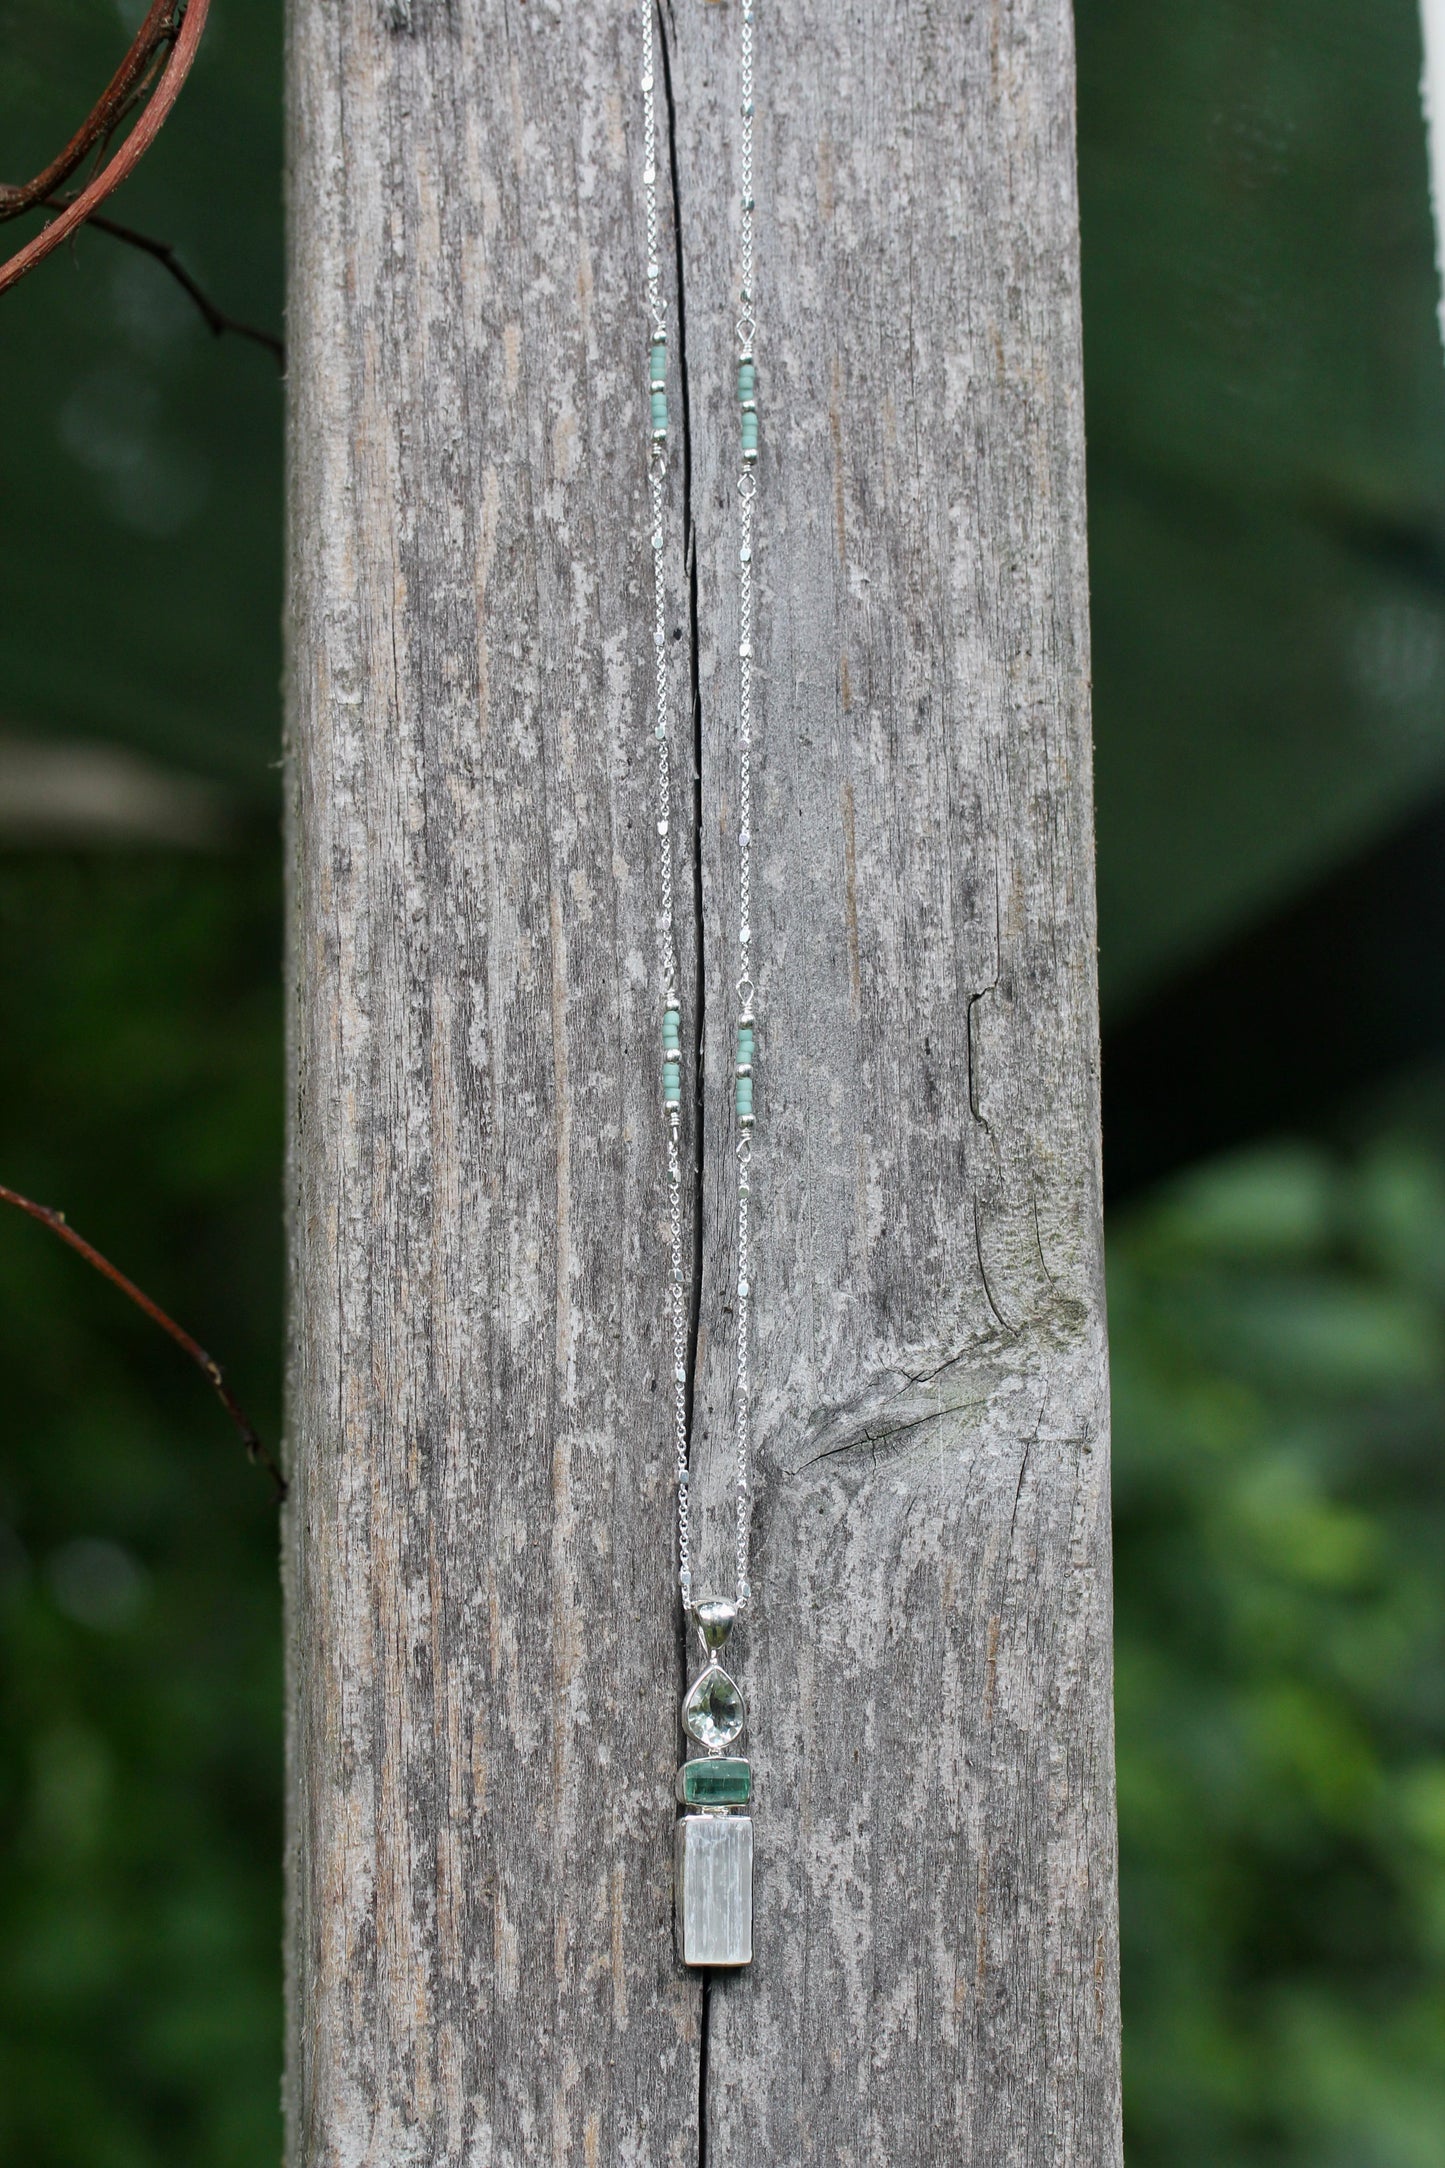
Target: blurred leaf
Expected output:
[1280,1559]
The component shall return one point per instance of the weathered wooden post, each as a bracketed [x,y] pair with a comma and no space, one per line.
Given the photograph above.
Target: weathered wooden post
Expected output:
[484,1657]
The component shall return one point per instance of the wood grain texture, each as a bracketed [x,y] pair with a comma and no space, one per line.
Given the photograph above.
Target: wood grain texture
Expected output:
[484,1662]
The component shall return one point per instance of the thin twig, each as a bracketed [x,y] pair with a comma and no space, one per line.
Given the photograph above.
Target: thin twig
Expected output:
[215,318]
[59,1225]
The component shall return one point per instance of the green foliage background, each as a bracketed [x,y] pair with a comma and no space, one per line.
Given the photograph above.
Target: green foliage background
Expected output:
[1266,405]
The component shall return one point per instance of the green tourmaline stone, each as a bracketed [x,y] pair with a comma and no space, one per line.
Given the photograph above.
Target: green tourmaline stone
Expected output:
[723,1780]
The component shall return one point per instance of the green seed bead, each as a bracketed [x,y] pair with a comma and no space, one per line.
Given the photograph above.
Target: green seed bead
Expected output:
[658,368]
[747,382]
[750,433]
[659,413]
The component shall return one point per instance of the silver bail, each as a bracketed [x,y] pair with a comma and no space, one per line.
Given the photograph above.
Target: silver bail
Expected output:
[713,1618]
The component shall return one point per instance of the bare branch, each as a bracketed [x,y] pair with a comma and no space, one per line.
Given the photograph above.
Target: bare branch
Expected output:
[156,33]
[172,28]
[59,1225]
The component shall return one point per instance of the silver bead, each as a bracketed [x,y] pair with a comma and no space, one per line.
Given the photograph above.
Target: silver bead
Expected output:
[714,1618]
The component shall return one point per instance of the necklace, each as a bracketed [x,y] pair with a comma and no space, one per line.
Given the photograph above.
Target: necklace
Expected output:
[714,1841]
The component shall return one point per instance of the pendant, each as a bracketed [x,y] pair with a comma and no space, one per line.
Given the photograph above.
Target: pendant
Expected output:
[714,1844]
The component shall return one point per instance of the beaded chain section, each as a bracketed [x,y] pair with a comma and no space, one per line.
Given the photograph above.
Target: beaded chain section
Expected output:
[714,1928]
[658,471]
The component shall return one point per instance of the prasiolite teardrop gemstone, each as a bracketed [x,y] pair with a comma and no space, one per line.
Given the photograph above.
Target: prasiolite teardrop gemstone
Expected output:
[713,1711]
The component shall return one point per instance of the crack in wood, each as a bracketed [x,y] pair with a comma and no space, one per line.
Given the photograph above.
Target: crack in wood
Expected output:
[699,1106]
[1011,1329]
[665,31]
[971,1051]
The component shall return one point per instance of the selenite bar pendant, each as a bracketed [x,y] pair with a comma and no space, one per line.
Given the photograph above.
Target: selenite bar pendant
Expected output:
[715,1889]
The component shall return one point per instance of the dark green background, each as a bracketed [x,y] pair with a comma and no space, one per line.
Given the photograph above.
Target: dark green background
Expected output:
[1266,403]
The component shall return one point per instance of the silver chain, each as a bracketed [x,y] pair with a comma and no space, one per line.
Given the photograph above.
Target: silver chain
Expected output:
[742,1099]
